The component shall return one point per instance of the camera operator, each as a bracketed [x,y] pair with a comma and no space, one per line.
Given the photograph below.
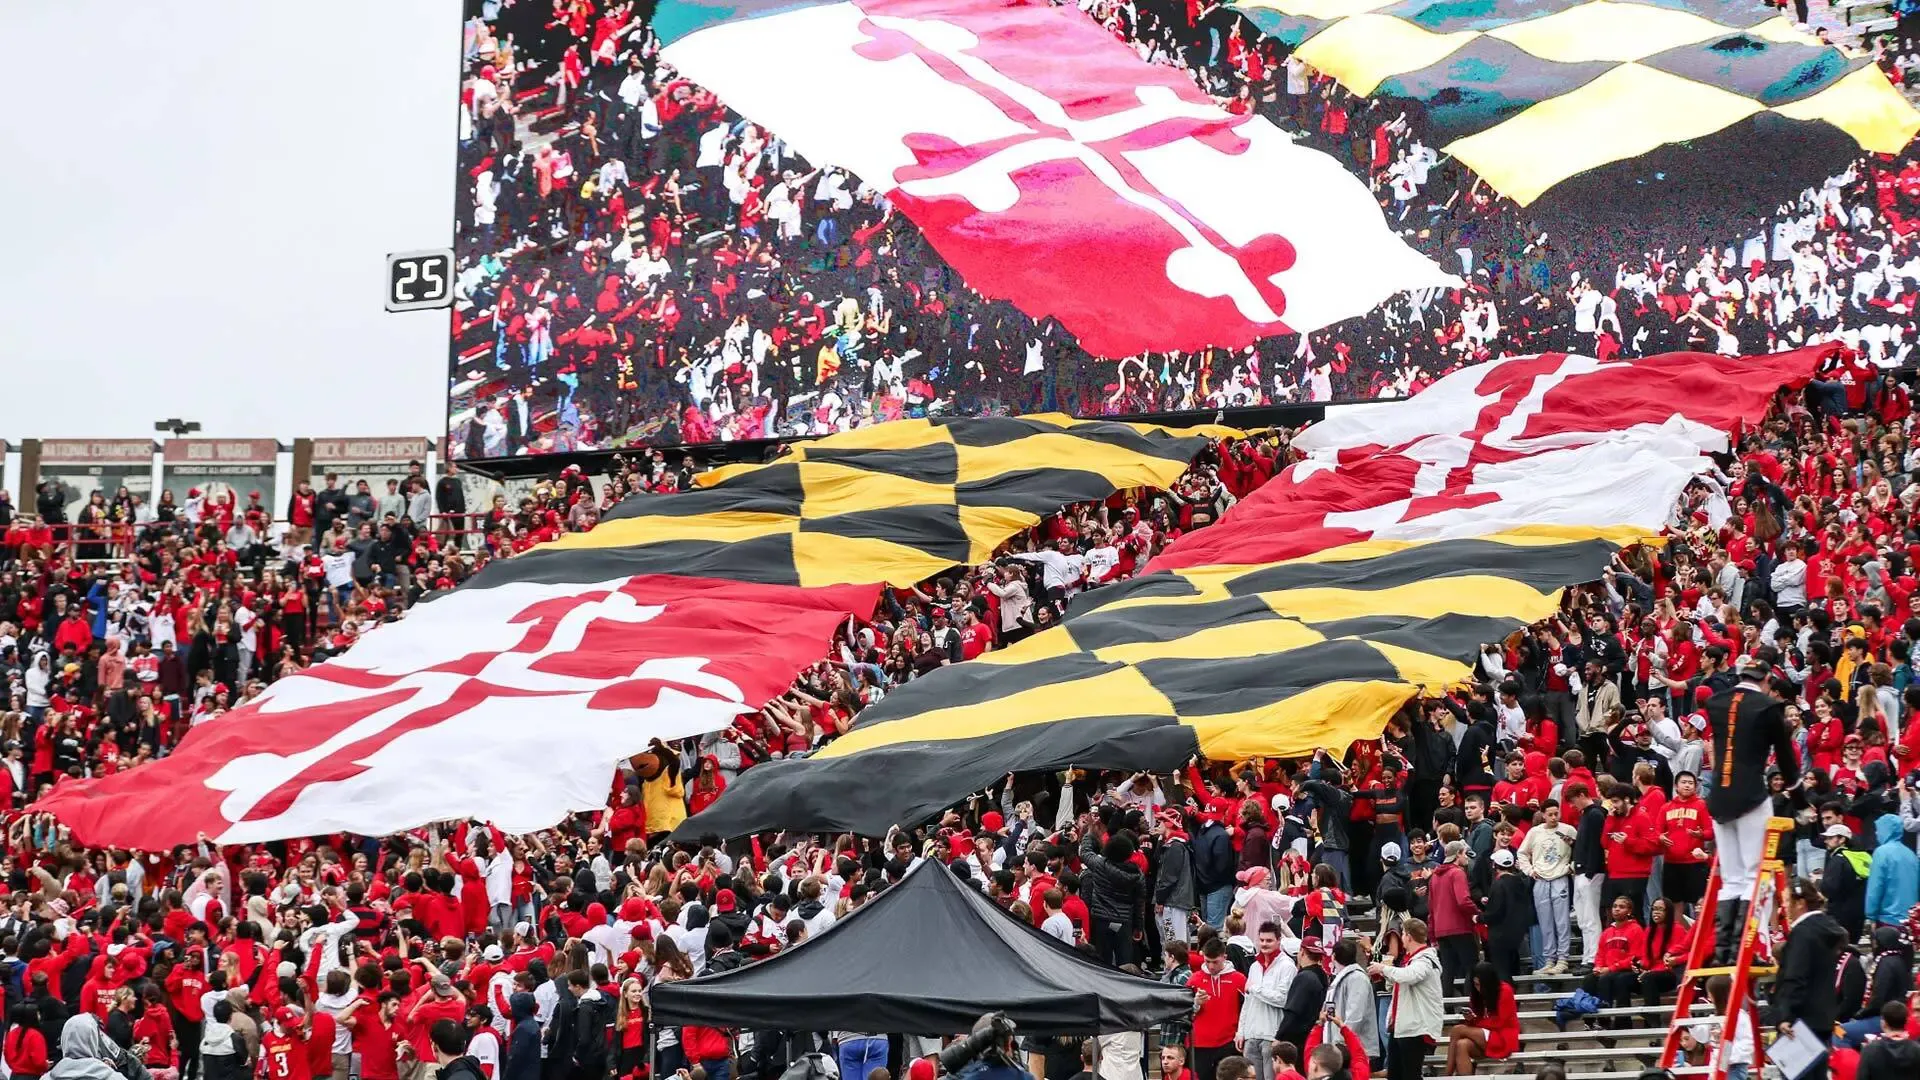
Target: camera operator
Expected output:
[987,1054]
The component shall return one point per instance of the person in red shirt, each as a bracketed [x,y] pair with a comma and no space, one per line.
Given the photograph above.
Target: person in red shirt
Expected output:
[53,961]
[283,1053]
[25,1049]
[1684,834]
[1618,962]
[371,1026]
[1630,841]
[1491,1026]
[440,1001]
[1217,1020]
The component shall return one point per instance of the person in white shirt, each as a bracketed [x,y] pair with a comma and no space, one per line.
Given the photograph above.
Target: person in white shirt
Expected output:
[1790,581]
[1057,925]
[1546,855]
[1269,978]
[1062,569]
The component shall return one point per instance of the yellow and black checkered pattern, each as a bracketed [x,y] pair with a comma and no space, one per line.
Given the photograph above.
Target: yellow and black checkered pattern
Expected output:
[897,502]
[1229,662]
[1530,94]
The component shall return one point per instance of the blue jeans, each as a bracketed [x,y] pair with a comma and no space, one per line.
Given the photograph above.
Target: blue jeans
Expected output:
[1215,905]
[1858,1030]
[859,1057]
[1553,911]
[717,1068]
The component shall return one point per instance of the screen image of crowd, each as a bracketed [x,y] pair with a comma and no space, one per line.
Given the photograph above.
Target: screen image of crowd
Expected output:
[638,264]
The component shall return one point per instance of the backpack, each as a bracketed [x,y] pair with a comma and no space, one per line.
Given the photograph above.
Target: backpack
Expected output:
[1862,861]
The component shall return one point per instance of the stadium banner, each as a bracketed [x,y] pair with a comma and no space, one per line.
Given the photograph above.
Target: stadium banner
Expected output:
[77,468]
[375,461]
[236,472]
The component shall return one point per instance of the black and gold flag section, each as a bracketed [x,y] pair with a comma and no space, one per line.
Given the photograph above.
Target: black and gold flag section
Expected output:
[1529,93]
[897,503]
[1227,662]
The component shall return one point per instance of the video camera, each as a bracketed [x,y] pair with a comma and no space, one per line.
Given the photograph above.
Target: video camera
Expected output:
[991,1038]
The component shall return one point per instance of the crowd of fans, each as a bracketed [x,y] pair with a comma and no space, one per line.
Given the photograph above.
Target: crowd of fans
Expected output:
[1561,793]
[639,263]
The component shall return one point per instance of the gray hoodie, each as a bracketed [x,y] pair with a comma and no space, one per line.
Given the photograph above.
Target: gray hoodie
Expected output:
[85,1052]
[1351,996]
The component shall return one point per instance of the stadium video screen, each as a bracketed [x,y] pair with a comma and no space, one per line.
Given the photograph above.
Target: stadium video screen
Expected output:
[639,264]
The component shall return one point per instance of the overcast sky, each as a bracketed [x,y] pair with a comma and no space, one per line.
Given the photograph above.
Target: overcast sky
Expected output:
[200,195]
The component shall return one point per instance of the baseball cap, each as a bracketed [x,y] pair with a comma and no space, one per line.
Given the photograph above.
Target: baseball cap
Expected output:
[1503,858]
[1313,947]
[287,1016]
[1390,852]
[1837,829]
[724,900]
[442,986]
[493,954]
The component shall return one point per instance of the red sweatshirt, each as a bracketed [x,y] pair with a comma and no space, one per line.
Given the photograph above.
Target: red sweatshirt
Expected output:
[1686,825]
[26,1051]
[55,963]
[1631,856]
[185,985]
[1219,1019]
[1620,945]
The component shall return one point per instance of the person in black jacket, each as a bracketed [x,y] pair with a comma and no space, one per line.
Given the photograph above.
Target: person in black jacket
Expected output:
[1803,990]
[1589,866]
[592,1015]
[1508,916]
[523,1047]
[1842,883]
[450,1052]
[1335,805]
[1306,995]
[1748,724]
[1893,1056]
[1213,870]
[1473,762]
[1892,980]
[1113,889]
[450,499]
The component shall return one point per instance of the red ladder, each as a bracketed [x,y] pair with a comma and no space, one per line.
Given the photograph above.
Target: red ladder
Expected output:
[1770,883]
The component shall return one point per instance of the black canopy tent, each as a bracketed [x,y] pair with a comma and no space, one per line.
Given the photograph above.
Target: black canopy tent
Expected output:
[925,957]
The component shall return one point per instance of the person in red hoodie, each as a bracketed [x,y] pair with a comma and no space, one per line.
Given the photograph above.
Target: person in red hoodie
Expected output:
[1618,962]
[186,983]
[155,1028]
[51,960]
[96,994]
[1491,1026]
[1631,841]
[1685,830]
[1217,1020]
[25,1049]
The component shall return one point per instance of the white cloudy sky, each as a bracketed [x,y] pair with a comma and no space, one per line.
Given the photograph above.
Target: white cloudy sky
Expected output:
[199,197]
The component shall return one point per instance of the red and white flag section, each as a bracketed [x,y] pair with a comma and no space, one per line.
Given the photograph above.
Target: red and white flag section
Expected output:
[1555,439]
[1055,168]
[508,703]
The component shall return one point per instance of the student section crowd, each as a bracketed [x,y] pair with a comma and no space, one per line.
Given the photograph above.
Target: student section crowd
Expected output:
[289,957]
[636,261]
[1561,793]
